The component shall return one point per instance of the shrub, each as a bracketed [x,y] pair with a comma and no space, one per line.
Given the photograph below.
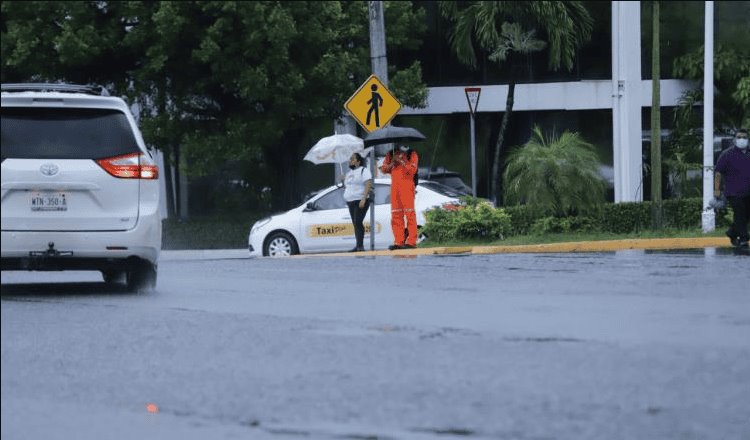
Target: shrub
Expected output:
[624,217]
[557,174]
[683,213]
[522,217]
[475,219]
[557,225]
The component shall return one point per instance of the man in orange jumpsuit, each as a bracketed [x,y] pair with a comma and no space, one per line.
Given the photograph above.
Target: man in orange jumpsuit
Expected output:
[402,164]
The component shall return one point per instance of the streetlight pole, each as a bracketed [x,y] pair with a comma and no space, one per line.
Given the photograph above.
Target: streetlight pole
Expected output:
[708,219]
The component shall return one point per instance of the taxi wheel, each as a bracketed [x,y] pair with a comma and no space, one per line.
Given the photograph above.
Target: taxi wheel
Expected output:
[280,244]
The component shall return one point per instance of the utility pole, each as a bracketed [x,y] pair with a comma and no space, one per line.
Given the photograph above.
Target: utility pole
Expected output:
[379,64]
[378,58]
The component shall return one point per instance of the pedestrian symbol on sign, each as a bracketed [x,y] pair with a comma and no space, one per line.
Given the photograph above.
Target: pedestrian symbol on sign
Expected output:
[375,102]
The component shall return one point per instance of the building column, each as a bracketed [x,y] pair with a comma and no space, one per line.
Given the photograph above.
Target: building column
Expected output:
[627,129]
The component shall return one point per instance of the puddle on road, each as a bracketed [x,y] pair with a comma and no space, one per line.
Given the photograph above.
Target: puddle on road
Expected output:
[541,339]
[462,432]
[710,251]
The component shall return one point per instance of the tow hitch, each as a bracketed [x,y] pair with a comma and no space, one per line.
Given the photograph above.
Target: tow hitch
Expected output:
[51,252]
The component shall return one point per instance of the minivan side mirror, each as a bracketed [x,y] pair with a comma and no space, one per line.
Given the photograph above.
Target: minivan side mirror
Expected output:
[310,207]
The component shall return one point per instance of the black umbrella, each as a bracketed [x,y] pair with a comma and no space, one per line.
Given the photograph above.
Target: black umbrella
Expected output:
[391,135]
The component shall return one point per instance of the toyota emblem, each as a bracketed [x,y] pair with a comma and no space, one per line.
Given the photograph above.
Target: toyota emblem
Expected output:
[49,169]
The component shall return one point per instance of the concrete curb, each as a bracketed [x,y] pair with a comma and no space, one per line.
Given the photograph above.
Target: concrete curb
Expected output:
[580,246]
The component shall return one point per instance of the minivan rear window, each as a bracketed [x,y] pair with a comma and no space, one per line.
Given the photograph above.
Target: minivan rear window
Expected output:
[65,133]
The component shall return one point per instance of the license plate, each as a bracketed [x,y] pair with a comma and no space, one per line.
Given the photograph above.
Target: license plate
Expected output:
[49,201]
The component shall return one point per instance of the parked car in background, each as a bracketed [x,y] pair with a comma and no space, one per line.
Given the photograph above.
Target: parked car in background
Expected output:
[323,224]
[79,187]
[447,178]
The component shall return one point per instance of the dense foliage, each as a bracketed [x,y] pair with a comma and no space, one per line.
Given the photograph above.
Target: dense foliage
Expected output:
[506,33]
[456,225]
[476,219]
[684,149]
[216,81]
[557,174]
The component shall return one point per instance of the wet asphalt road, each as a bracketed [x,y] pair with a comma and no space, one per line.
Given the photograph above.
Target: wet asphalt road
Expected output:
[626,345]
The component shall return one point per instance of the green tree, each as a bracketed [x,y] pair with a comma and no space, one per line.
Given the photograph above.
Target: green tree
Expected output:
[684,150]
[558,175]
[505,32]
[216,81]
[731,85]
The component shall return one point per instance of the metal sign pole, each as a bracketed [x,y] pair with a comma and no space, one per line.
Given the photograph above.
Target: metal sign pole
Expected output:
[373,164]
[472,98]
[473,160]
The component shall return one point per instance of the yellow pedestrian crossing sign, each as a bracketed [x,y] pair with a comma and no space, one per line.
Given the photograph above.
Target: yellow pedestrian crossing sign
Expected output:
[373,105]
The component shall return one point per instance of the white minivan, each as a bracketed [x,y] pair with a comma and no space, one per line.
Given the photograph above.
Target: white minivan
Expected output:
[79,187]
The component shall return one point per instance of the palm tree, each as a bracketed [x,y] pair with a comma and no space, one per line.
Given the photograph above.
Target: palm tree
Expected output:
[559,175]
[505,31]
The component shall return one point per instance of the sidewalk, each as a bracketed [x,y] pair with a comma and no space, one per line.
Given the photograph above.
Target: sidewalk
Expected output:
[579,246]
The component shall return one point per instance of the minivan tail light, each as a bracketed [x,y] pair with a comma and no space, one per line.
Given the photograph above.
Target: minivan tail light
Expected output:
[130,166]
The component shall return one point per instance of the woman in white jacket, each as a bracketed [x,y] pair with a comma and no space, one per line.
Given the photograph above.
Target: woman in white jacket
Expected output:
[357,186]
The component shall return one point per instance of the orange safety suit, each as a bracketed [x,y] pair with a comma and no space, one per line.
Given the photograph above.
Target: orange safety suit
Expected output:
[402,169]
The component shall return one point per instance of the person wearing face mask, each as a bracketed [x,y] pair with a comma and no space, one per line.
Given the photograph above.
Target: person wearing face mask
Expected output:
[402,164]
[734,167]
[357,186]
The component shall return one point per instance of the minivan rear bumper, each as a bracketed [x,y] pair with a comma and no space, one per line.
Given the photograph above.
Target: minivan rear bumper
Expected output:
[82,250]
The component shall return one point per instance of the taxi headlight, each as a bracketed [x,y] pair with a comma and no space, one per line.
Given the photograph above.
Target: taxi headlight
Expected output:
[259,224]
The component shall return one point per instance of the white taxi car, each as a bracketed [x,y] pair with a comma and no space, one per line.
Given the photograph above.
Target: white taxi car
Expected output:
[323,224]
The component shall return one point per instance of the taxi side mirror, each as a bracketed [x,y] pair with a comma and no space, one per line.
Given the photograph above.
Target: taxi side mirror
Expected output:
[310,207]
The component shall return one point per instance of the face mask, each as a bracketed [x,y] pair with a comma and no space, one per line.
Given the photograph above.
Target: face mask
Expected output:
[741,143]
[403,148]
[353,167]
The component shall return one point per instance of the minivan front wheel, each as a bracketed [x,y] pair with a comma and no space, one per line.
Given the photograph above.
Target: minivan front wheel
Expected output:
[141,276]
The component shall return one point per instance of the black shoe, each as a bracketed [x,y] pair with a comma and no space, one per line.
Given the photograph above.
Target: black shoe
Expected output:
[360,249]
[735,240]
[394,247]
[354,250]
[742,243]
[408,246]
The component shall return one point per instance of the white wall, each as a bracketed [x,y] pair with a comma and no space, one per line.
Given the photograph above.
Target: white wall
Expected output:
[574,95]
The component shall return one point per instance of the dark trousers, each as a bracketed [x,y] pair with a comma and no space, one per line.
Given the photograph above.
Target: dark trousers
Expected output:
[358,216]
[741,208]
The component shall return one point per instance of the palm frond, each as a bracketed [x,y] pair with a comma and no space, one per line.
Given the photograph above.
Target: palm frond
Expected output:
[558,174]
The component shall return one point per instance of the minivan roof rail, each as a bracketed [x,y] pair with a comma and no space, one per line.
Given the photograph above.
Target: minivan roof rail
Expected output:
[51,87]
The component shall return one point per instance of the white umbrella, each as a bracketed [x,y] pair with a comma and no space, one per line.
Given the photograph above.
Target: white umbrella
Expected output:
[335,149]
